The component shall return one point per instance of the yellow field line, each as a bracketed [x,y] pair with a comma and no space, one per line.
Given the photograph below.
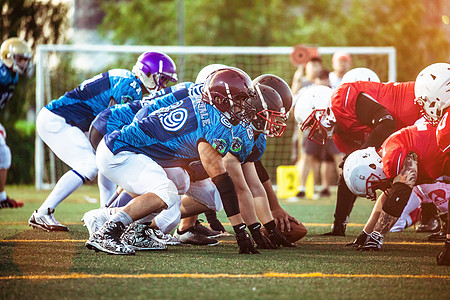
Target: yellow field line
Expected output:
[220,241]
[209,276]
[226,224]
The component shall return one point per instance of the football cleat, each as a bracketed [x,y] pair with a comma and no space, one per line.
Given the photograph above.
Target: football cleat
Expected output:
[433,225]
[94,219]
[165,238]
[443,258]
[192,237]
[10,203]
[107,239]
[206,231]
[46,221]
[140,237]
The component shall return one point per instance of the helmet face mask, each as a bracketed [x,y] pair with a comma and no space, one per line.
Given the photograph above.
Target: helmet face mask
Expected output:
[432,91]
[321,123]
[231,92]
[313,112]
[363,173]
[17,55]
[270,118]
[155,70]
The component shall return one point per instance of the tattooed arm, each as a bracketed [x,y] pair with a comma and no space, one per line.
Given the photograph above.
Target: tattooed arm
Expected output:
[398,195]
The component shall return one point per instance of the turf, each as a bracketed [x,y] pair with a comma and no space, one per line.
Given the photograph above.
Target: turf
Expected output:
[38,265]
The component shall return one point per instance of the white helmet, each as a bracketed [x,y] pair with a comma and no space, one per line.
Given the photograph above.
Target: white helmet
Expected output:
[206,71]
[313,112]
[360,74]
[363,172]
[432,91]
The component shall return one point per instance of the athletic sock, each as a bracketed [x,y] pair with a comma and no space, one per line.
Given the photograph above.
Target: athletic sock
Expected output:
[122,217]
[106,187]
[2,196]
[65,186]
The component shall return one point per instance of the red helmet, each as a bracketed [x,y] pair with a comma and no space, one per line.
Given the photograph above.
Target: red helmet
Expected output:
[270,116]
[230,91]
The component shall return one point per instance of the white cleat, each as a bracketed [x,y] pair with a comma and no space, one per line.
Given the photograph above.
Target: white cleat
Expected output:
[46,221]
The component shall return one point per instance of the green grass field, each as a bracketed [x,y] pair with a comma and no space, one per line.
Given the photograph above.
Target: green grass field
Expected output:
[38,265]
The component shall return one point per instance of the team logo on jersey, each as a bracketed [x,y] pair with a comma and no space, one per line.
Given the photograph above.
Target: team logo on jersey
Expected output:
[250,133]
[174,120]
[195,91]
[220,145]
[225,122]
[236,145]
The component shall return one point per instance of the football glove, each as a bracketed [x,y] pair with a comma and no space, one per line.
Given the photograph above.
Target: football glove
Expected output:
[262,241]
[373,243]
[278,239]
[245,242]
[360,240]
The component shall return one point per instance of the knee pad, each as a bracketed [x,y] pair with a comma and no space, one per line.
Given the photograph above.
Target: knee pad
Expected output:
[5,156]
[397,199]
[168,219]
[173,197]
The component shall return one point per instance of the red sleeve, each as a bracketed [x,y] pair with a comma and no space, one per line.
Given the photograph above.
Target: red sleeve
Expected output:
[394,153]
[443,134]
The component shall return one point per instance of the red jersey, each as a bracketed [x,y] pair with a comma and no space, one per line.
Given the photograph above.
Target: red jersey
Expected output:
[397,97]
[420,139]
[443,133]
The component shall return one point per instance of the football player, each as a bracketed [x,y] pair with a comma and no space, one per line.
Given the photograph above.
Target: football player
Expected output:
[135,156]
[409,157]
[433,97]
[63,123]
[358,115]
[15,60]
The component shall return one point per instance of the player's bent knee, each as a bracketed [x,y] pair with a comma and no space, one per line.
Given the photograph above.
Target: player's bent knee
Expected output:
[397,199]
[172,198]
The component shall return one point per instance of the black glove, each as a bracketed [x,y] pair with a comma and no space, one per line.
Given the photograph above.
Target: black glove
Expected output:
[262,241]
[373,243]
[278,239]
[360,240]
[245,242]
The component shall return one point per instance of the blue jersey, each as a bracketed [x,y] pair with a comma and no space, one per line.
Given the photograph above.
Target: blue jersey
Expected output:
[116,116]
[155,103]
[170,90]
[258,148]
[242,141]
[170,135]
[80,106]
[8,81]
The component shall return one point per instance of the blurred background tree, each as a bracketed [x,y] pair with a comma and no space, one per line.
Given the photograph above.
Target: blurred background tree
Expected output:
[37,22]
[397,23]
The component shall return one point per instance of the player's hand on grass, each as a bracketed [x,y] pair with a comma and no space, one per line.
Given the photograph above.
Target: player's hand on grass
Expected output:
[360,240]
[373,243]
[262,241]
[278,239]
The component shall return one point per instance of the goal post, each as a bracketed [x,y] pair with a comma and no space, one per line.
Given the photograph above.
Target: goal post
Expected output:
[60,68]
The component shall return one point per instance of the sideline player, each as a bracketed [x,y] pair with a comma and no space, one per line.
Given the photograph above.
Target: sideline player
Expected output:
[63,125]
[15,60]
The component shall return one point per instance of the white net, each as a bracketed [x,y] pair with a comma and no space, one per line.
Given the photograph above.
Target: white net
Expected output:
[60,68]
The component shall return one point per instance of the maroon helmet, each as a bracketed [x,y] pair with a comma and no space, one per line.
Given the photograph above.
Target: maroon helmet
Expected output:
[230,91]
[278,85]
[270,117]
